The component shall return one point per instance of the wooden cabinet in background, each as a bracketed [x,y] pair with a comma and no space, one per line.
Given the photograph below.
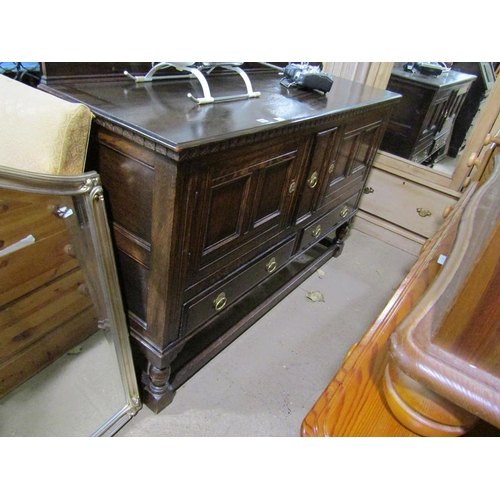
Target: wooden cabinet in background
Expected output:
[219,211]
[421,126]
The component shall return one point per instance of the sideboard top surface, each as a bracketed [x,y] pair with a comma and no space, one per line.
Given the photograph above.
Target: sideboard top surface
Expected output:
[446,79]
[161,110]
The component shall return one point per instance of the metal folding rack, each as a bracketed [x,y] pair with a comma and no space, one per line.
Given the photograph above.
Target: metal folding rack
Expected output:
[197,70]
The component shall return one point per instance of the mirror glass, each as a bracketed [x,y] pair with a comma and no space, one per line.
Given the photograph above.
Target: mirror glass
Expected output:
[441,103]
[65,361]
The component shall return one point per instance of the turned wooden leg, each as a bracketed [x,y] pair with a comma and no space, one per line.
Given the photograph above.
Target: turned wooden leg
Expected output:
[422,410]
[338,242]
[158,393]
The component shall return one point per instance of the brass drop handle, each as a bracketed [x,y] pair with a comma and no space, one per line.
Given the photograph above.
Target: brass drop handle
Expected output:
[220,301]
[368,190]
[344,212]
[271,266]
[316,231]
[313,180]
[447,211]
[424,212]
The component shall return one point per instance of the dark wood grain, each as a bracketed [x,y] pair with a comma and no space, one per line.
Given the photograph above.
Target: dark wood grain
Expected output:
[202,198]
[422,124]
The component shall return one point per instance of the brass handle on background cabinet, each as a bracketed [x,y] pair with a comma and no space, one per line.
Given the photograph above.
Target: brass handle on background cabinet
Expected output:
[220,301]
[313,180]
[344,212]
[292,187]
[424,212]
[331,168]
[271,265]
[316,231]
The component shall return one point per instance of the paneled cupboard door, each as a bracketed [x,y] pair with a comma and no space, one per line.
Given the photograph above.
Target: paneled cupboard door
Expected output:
[244,202]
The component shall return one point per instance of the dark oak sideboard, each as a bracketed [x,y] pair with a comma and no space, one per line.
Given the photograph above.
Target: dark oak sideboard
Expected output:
[219,211]
[422,124]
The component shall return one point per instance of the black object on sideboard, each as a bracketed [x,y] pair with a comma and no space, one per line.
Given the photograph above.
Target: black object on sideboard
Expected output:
[219,211]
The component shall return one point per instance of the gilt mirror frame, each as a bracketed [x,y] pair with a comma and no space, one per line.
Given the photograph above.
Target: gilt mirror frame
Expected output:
[86,192]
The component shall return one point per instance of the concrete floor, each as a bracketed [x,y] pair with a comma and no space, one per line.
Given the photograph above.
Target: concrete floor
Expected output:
[263,384]
[266,381]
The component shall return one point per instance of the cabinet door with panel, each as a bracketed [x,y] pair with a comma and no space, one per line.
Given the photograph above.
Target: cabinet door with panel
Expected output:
[244,206]
[340,161]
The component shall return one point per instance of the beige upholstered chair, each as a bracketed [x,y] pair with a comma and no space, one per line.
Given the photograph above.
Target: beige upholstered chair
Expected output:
[40,132]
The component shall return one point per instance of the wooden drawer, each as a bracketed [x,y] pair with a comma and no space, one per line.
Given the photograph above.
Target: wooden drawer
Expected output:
[48,254]
[439,142]
[41,327]
[207,305]
[405,203]
[321,227]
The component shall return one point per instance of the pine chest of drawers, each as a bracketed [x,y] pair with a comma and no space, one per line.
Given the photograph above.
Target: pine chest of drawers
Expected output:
[220,210]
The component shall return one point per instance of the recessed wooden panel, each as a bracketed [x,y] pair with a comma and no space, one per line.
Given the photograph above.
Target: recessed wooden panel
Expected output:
[356,154]
[243,201]
[134,278]
[128,186]
[271,192]
[322,163]
[228,202]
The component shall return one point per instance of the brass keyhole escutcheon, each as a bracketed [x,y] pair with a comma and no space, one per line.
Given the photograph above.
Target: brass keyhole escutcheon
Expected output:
[220,301]
[271,265]
[331,168]
[292,187]
[316,231]
[344,212]
[424,212]
[313,180]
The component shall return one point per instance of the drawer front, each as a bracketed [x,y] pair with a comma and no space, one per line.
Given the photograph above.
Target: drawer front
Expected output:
[208,305]
[27,218]
[32,319]
[407,204]
[420,155]
[320,228]
[440,142]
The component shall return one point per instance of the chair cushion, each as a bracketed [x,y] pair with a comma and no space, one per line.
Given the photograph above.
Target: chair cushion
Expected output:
[40,132]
